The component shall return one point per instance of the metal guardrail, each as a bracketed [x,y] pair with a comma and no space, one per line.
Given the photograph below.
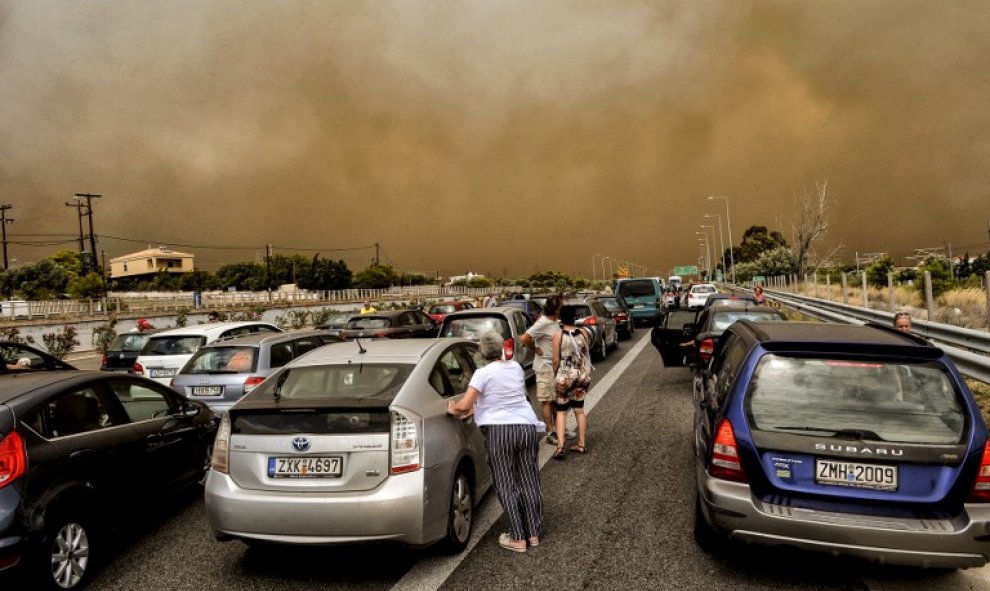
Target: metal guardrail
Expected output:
[969,349]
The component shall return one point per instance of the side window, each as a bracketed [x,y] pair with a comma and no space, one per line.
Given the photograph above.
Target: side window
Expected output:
[306,344]
[439,382]
[280,354]
[407,319]
[35,420]
[475,355]
[263,328]
[80,411]
[140,401]
[458,367]
[732,354]
[235,332]
[521,326]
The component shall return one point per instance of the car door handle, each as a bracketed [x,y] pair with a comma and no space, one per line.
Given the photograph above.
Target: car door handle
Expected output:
[81,453]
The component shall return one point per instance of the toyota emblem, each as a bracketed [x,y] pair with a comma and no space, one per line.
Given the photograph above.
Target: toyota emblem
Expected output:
[300,443]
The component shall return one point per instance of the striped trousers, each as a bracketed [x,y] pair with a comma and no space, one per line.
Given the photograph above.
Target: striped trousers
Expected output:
[512,457]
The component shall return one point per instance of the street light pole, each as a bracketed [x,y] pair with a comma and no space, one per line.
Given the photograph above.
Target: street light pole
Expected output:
[721,242]
[594,272]
[708,258]
[714,258]
[728,222]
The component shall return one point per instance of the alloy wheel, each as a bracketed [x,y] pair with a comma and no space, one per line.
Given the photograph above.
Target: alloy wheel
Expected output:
[461,509]
[69,555]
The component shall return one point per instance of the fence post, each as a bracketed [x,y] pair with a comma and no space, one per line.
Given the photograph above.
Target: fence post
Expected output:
[892,300]
[866,289]
[928,295]
[828,287]
[845,296]
[986,286]
[815,279]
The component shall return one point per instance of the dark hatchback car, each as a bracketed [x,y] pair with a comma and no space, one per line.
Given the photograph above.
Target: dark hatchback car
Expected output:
[18,357]
[853,440]
[713,321]
[392,324]
[81,452]
[592,313]
[616,305]
[124,351]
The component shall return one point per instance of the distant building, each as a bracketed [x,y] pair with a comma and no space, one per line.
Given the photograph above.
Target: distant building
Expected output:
[456,279]
[151,262]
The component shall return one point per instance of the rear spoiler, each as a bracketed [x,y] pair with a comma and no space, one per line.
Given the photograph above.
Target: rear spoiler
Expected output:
[302,405]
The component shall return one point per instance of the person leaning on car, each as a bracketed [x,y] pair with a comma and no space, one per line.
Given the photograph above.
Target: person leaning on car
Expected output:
[539,338]
[497,398]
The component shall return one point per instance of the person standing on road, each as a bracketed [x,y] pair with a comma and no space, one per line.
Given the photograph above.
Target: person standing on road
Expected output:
[367,308]
[902,321]
[539,339]
[497,398]
[572,377]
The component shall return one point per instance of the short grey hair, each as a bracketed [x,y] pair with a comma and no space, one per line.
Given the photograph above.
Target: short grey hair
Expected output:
[490,345]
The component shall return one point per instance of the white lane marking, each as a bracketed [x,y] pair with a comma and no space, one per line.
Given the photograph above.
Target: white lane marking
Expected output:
[430,573]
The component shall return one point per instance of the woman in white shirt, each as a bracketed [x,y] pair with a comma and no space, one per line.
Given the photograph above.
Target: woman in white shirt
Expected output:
[497,398]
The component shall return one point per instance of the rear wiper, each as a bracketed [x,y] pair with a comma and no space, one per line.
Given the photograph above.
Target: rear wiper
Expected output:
[858,434]
[277,390]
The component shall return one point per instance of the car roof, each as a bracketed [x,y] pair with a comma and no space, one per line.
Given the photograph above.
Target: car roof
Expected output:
[385,313]
[259,338]
[837,338]
[24,383]
[375,351]
[575,302]
[199,330]
[473,312]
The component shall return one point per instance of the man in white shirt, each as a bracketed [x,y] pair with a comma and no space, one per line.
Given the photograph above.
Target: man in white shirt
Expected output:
[539,338]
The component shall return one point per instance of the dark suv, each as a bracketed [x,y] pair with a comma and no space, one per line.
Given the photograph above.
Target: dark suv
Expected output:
[853,440]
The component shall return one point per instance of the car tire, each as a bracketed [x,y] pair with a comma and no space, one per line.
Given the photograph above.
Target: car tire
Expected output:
[65,558]
[460,514]
[672,359]
[706,537]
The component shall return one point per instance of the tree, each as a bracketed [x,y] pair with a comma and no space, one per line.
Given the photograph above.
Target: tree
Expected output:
[90,285]
[69,260]
[755,241]
[198,280]
[876,272]
[941,272]
[375,277]
[325,274]
[811,225]
[44,280]
[242,276]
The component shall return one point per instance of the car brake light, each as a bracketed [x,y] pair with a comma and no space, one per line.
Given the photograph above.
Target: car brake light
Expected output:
[252,382]
[590,321]
[221,446]
[13,460]
[725,454]
[706,348]
[137,369]
[383,334]
[981,488]
[103,361]
[405,444]
[508,348]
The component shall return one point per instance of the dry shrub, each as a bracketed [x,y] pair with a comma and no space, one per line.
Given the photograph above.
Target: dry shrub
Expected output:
[966,307]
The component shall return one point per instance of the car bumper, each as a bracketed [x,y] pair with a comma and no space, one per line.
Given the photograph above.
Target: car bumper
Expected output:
[13,542]
[960,542]
[394,511]
[644,313]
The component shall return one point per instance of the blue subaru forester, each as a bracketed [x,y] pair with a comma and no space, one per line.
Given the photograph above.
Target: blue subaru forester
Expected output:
[853,440]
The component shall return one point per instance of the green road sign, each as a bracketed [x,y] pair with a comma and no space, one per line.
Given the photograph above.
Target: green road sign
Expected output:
[686,270]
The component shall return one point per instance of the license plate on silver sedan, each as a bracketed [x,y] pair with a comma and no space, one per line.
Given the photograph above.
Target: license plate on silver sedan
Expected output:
[207,390]
[162,373]
[856,475]
[305,467]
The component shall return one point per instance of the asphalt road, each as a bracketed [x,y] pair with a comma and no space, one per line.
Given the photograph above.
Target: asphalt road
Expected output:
[619,517]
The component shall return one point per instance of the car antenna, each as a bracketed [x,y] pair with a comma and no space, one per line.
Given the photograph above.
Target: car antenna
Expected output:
[361,349]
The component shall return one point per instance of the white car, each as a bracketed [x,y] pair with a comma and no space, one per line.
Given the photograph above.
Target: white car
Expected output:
[698,294]
[166,352]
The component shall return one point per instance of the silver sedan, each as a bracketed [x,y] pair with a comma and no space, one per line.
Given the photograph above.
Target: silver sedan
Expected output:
[353,443]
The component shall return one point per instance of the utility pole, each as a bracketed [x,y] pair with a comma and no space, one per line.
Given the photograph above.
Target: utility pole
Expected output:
[268,270]
[3,226]
[377,257]
[94,264]
[82,245]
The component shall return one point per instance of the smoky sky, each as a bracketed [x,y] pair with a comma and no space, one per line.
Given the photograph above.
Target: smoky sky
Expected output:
[500,137]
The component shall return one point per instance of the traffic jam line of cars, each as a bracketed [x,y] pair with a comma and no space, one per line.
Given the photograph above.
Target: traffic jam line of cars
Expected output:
[859,441]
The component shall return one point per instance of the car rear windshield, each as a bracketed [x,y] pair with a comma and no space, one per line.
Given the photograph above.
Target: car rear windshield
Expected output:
[703,289]
[318,421]
[179,345]
[472,327]
[442,309]
[722,320]
[877,400]
[611,305]
[637,288]
[214,360]
[368,323]
[129,342]
[351,381]
[580,311]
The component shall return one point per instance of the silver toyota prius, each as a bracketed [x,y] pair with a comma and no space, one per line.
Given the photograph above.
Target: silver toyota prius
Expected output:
[352,443]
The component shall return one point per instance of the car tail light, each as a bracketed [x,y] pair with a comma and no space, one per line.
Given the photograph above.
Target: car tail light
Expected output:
[405,444]
[706,348]
[981,488]
[137,369]
[508,348]
[252,382]
[13,459]
[725,454]
[590,320]
[383,334]
[104,360]
[221,446]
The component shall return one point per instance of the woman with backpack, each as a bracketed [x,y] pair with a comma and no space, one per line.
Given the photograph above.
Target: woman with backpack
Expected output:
[572,378]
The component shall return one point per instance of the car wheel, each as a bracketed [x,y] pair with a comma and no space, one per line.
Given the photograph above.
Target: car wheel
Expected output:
[707,538]
[460,515]
[66,556]
[615,340]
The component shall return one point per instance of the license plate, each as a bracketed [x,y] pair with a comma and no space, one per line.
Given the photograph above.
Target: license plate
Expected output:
[637,305]
[162,373]
[305,467]
[852,474]
[207,390]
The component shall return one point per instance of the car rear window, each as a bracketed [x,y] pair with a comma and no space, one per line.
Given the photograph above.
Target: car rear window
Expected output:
[722,320]
[611,305]
[351,381]
[318,421]
[637,288]
[703,289]
[472,327]
[179,345]
[878,400]
[129,342]
[442,309]
[368,323]
[214,360]
[580,311]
